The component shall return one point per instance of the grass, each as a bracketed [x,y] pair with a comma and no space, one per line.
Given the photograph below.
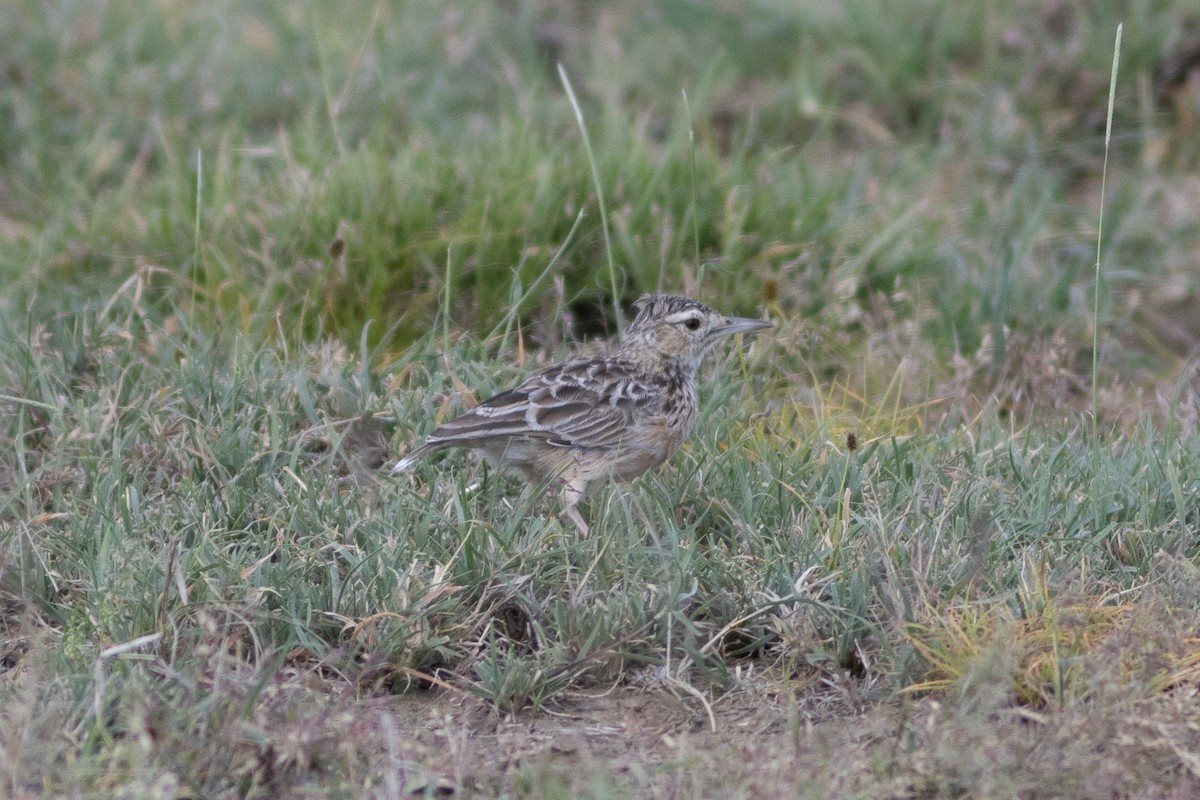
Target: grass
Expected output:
[251,253]
[216,503]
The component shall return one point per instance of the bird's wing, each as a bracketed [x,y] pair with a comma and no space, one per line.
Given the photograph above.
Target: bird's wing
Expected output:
[588,403]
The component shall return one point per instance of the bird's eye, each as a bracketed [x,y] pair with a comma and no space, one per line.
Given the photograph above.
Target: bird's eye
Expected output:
[692,324]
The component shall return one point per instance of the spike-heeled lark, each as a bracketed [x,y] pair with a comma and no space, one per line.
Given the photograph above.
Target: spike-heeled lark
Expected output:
[591,419]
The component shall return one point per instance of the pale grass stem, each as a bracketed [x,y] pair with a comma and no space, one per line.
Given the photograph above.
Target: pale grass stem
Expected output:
[591,156]
[1112,92]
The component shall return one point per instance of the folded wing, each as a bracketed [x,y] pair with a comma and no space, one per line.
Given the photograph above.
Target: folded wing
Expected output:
[588,404]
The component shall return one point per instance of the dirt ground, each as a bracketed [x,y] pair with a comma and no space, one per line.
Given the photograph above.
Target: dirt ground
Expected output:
[647,738]
[650,737]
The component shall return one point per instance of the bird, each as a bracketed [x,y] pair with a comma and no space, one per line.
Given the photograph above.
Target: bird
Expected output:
[588,420]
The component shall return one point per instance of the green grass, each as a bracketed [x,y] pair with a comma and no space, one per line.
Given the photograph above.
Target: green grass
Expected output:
[203,491]
[249,253]
[312,124]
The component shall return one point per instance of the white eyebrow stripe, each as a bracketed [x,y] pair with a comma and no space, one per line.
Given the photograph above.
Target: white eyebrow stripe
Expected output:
[680,316]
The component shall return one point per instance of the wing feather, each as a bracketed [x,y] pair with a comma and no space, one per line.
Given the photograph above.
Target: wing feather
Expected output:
[588,403]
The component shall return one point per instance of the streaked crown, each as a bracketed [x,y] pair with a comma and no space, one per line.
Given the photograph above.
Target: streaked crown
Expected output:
[678,330]
[654,309]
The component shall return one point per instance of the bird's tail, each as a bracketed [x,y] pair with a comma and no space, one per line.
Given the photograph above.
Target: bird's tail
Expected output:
[406,463]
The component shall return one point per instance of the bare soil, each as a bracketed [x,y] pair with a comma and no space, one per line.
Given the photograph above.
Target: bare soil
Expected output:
[646,738]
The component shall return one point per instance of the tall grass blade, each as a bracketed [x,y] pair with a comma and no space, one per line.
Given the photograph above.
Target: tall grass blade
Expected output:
[591,156]
[1112,92]
[196,232]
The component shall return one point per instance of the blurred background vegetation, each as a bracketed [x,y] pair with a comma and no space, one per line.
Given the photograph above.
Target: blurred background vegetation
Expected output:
[249,251]
[936,165]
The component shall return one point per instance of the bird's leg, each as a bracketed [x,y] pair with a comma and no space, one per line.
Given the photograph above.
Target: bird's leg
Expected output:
[574,515]
[573,492]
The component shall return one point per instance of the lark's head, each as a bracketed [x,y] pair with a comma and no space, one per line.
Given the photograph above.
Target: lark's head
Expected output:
[680,331]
